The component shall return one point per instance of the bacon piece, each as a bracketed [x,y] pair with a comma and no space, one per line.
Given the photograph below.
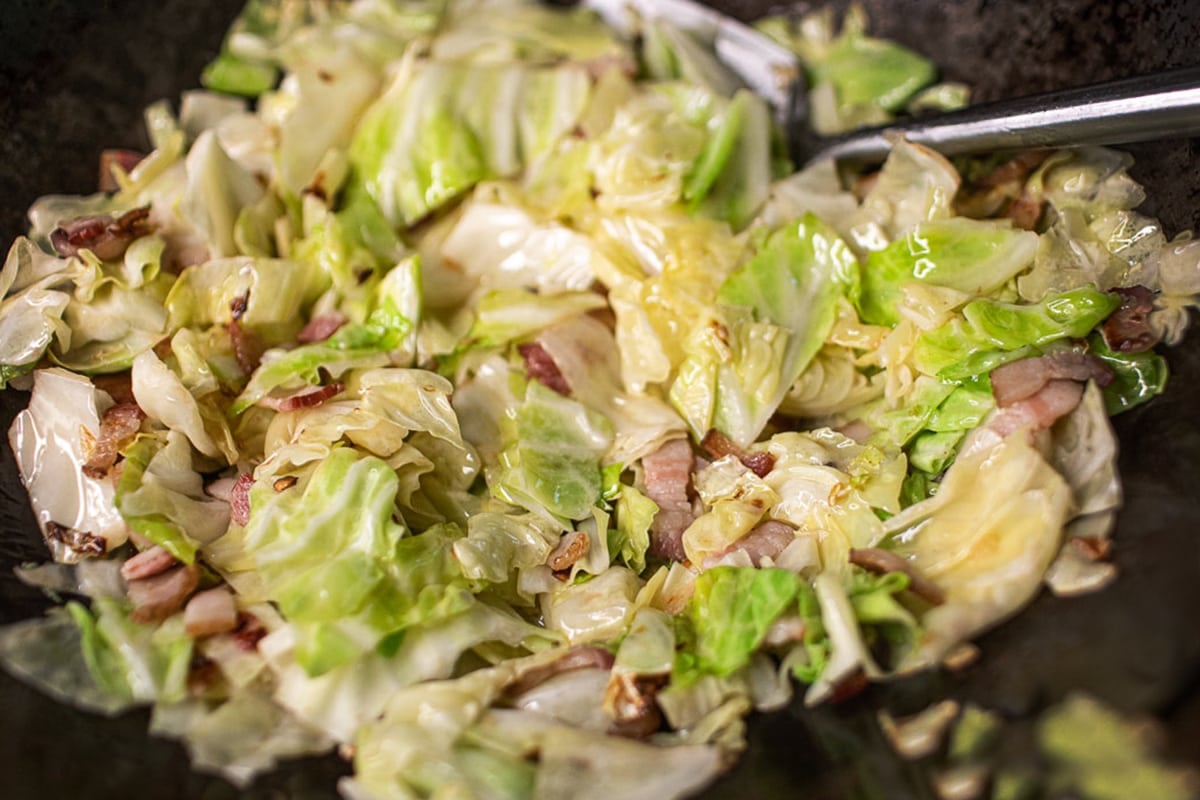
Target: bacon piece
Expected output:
[881,562]
[248,348]
[573,546]
[209,612]
[239,499]
[1037,413]
[766,540]
[105,235]
[305,398]
[541,367]
[631,699]
[1018,380]
[718,445]
[1127,330]
[579,657]
[158,597]
[118,385]
[666,473]
[249,632]
[1055,400]
[118,426]
[321,327]
[148,563]
[125,159]
[77,542]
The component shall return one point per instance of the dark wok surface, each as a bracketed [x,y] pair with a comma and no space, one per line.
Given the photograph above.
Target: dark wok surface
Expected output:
[74,77]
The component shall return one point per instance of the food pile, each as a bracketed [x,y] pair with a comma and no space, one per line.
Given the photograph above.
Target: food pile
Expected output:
[478,389]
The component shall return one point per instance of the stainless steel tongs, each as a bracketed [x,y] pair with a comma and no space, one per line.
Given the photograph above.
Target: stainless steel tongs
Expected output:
[1155,106]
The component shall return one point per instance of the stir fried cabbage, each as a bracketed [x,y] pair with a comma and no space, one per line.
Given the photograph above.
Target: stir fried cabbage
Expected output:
[493,401]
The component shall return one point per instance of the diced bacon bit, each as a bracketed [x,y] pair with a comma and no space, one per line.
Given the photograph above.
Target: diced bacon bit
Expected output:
[83,543]
[158,597]
[148,563]
[1127,330]
[881,562]
[321,327]
[305,398]
[1018,380]
[203,675]
[718,445]
[667,473]
[126,160]
[285,483]
[239,499]
[105,235]
[118,386]
[1004,192]
[767,540]
[249,632]
[1026,211]
[118,426]
[248,348]
[1091,547]
[578,657]
[850,687]
[631,700]
[572,547]
[541,367]
[1055,400]
[211,611]
[1016,170]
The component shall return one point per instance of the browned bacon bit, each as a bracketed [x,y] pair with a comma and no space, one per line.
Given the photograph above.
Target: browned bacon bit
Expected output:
[249,632]
[321,327]
[766,540]
[666,473]
[541,367]
[239,499]
[1016,170]
[305,398]
[718,445]
[239,305]
[118,385]
[573,546]
[82,543]
[850,687]
[1020,380]
[211,611]
[1127,330]
[118,426]
[126,160]
[881,562]
[105,235]
[578,657]
[1037,413]
[1005,192]
[148,563]
[158,597]
[1093,548]
[203,675]
[248,348]
[630,699]
[284,483]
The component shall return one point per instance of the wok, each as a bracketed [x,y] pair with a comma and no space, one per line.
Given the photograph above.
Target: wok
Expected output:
[74,77]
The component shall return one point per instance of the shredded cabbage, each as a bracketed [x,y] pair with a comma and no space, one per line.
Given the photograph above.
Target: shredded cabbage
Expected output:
[532,422]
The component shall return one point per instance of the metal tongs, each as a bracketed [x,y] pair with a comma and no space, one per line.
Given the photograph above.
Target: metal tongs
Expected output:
[1156,106]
